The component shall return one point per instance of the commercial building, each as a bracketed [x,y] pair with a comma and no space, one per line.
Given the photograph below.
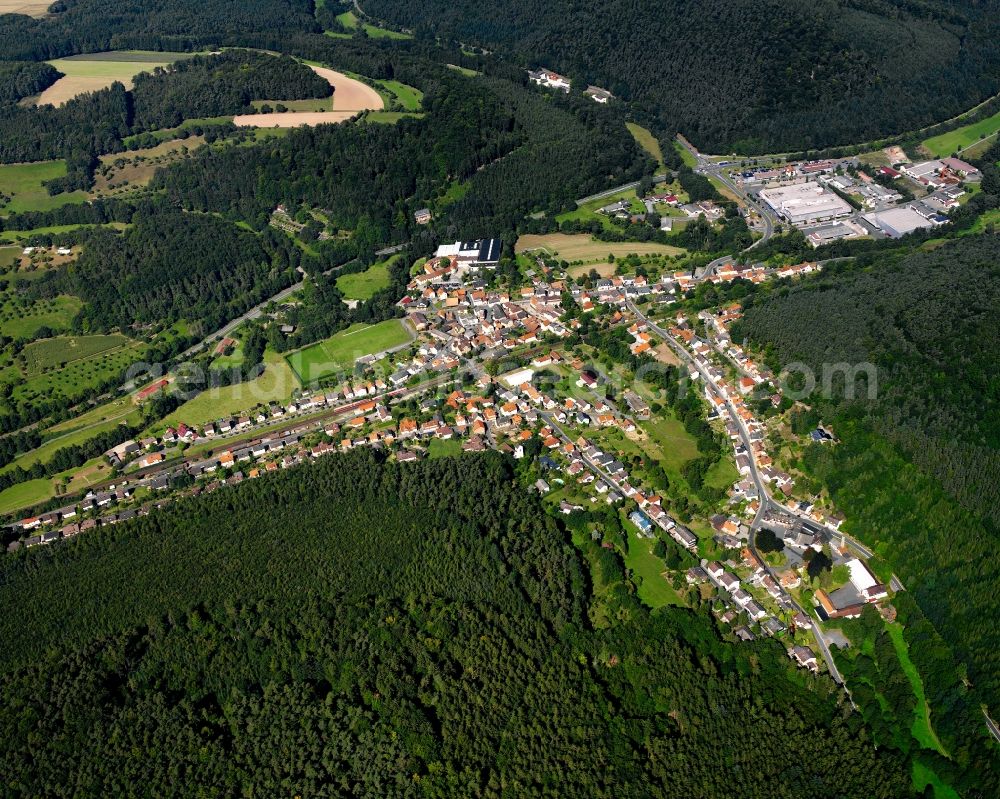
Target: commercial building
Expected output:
[481,252]
[897,222]
[804,203]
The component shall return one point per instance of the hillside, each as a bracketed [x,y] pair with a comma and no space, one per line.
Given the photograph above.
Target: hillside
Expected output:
[917,470]
[420,631]
[757,76]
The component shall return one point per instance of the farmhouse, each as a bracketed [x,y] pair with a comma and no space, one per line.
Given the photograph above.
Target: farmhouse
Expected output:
[804,203]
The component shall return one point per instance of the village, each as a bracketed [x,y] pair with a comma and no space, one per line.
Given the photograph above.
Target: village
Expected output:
[494,368]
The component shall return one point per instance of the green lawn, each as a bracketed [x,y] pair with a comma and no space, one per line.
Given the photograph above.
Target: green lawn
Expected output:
[408,96]
[8,256]
[443,449]
[21,187]
[339,352]
[647,570]
[646,140]
[672,445]
[362,285]
[923,776]
[469,73]
[947,143]
[686,155]
[26,235]
[588,211]
[276,384]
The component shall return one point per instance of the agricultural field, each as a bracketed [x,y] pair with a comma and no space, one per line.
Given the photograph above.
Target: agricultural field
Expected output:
[339,352]
[362,285]
[122,172]
[31,8]
[964,137]
[582,248]
[350,97]
[646,140]
[276,384]
[20,318]
[22,189]
[67,366]
[407,96]
[94,71]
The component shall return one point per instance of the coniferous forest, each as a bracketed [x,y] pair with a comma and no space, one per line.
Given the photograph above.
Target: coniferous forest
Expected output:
[358,628]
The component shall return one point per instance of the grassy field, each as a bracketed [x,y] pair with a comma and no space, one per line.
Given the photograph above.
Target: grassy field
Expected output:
[390,117]
[469,73]
[362,285]
[94,71]
[965,136]
[588,211]
[21,187]
[921,730]
[646,140]
[116,410]
[19,319]
[339,352]
[25,235]
[408,96]
[585,249]
[276,384]
[24,495]
[686,155]
[647,570]
[351,22]
[443,449]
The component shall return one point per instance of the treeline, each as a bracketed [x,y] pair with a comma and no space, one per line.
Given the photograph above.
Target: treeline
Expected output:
[796,75]
[422,632]
[20,79]
[217,85]
[170,265]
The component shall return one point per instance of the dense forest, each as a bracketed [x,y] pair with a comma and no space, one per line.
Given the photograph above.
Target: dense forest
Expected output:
[510,150]
[88,26]
[918,465]
[209,86]
[169,266]
[418,632]
[20,79]
[754,76]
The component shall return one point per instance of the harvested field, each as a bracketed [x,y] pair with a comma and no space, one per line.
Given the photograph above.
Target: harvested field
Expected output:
[350,97]
[95,71]
[582,247]
[31,8]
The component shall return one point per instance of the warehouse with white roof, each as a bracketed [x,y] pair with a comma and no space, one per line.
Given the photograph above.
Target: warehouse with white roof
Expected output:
[804,203]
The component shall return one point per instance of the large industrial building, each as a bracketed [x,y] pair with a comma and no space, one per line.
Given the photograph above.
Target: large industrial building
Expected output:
[804,203]
[897,222]
[481,252]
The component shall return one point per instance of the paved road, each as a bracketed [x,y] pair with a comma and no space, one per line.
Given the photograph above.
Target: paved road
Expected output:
[766,501]
[991,725]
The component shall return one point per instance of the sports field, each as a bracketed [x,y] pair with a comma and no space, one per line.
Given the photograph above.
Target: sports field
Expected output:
[94,71]
[21,187]
[586,249]
[339,352]
[362,285]
[965,136]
